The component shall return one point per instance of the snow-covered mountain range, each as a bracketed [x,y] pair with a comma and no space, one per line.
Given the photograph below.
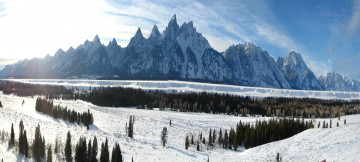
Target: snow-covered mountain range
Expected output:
[337,82]
[178,53]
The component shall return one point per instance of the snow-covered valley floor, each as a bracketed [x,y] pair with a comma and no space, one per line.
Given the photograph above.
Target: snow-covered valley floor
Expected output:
[184,86]
[333,144]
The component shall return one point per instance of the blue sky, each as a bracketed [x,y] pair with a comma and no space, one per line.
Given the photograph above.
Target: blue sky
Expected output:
[326,33]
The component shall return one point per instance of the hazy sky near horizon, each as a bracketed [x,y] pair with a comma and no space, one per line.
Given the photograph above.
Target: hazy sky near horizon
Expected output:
[326,33]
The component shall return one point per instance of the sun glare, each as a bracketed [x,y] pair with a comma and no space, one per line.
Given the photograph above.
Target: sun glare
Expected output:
[40,27]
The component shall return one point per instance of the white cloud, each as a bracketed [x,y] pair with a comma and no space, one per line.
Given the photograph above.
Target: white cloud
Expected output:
[354,23]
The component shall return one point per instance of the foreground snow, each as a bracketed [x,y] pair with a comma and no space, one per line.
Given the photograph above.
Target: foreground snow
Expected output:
[183,86]
[335,144]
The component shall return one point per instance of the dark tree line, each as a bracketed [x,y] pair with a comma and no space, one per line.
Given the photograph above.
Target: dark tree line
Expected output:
[47,107]
[23,89]
[220,103]
[192,102]
[252,135]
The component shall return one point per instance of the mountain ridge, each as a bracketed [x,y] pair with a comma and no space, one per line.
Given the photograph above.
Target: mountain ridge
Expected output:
[180,53]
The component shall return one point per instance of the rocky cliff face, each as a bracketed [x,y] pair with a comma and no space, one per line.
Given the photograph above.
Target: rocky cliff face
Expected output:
[297,73]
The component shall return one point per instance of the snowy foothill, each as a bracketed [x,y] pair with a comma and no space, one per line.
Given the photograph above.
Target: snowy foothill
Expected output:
[333,144]
[184,86]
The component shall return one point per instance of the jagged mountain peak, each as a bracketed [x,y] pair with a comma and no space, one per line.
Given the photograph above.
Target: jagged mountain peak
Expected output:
[172,25]
[70,50]
[138,33]
[248,48]
[187,26]
[137,39]
[155,32]
[59,51]
[297,72]
[96,39]
[113,42]
[295,58]
[173,19]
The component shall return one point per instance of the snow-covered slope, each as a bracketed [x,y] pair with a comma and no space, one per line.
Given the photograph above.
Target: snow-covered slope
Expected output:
[336,82]
[182,86]
[335,144]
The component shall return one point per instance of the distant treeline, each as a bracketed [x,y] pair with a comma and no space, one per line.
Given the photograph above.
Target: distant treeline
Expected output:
[220,103]
[192,102]
[47,107]
[23,89]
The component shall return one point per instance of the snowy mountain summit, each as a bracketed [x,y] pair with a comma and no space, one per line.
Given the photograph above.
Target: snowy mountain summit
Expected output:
[297,73]
[177,53]
[336,82]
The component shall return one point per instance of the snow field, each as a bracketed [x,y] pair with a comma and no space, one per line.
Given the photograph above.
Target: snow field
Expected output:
[335,144]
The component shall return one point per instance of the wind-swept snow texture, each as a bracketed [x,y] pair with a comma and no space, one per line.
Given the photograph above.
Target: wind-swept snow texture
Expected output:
[333,144]
[183,86]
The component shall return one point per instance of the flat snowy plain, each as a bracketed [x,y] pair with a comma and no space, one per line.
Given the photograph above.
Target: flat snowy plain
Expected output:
[183,86]
[333,144]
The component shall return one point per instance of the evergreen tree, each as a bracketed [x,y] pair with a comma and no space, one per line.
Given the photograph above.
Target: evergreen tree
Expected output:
[131,126]
[214,136]
[337,124]
[164,134]
[104,155]
[198,146]
[247,137]
[56,149]
[225,140]
[42,148]
[94,150]
[186,142]
[12,136]
[21,137]
[220,138]
[80,150]
[324,125]
[68,156]
[235,142]
[319,125]
[210,138]
[345,122]
[116,154]
[26,145]
[49,155]
[38,145]
[192,139]
[330,123]
[89,153]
